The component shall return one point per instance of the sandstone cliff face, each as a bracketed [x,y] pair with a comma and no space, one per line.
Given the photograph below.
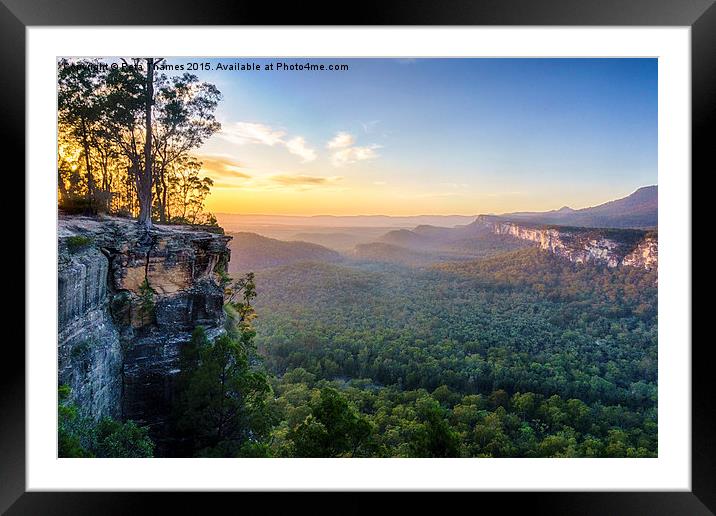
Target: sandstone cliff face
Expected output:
[90,358]
[128,300]
[612,247]
[645,254]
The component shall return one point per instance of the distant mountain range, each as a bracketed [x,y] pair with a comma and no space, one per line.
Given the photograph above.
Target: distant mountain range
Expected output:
[468,238]
[342,241]
[430,244]
[241,222]
[251,252]
[638,210]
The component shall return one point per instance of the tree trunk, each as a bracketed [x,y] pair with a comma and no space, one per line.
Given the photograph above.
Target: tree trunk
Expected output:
[145,183]
[163,214]
[158,197]
[106,184]
[88,165]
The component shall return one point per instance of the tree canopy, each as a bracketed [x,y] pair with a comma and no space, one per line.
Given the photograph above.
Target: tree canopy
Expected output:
[126,140]
[521,355]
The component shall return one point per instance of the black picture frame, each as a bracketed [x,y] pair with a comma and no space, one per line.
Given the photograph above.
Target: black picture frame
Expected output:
[16,15]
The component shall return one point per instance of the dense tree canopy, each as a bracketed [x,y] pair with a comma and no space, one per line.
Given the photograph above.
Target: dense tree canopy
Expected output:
[524,354]
[520,355]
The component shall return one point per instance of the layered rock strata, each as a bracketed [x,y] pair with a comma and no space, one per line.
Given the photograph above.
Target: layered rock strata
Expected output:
[128,299]
[611,247]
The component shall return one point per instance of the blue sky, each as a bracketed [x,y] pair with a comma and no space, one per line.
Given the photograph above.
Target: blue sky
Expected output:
[432,135]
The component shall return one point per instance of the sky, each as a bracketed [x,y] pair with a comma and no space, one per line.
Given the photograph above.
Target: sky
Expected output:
[430,136]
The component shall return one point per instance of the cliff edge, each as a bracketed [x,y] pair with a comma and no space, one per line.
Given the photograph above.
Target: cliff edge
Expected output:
[609,246]
[128,299]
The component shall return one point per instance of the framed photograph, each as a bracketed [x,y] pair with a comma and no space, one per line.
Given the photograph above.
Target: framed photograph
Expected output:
[432,250]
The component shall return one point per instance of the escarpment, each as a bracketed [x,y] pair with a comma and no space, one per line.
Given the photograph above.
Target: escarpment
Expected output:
[128,300]
[611,247]
[645,254]
[90,356]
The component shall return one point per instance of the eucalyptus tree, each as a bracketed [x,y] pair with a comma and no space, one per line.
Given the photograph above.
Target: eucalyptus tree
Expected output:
[123,124]
[184,120]
[186,189]
[128,110]
[134,123]
[145,178]
[79,109]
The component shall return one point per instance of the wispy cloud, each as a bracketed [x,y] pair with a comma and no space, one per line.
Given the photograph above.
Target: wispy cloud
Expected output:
[354,154]
[368,127]
[217,166]
[224,185]
[243,133]
[262,182]
[299,147]
[340,141]
[300,179]
[455,185]
[345,152]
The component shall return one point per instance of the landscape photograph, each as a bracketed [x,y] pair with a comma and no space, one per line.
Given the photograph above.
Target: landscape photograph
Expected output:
[357,257]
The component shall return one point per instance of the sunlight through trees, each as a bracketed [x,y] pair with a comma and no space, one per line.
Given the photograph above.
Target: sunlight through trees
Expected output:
[125,140]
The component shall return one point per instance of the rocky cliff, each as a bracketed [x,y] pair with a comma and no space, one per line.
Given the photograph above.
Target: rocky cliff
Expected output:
[90,356]
[612,247]
[128,300]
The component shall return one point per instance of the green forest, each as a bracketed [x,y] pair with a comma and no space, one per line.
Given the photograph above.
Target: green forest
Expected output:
[432,342]
[522,354]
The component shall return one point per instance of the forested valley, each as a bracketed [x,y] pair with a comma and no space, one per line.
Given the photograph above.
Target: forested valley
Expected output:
[522,354]
[429,342]
[518,355]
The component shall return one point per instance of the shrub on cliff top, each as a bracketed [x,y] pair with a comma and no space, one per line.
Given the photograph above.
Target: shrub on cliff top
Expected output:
[77,242]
